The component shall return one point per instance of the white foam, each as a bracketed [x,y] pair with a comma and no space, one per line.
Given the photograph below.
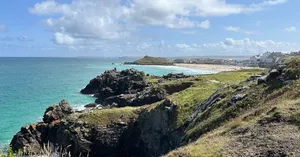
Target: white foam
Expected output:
[78,107]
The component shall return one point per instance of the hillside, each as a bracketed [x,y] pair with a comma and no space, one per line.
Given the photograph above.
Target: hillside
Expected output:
[147,60]
[240,113]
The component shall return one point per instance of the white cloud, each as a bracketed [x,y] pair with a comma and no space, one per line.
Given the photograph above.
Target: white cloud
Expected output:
[63,39]
[117,19]
[233,29]
[204,24]
[290,29]
[188,32]
[274,2]
[2,27]
[48,7]
[227,47]
[238,29]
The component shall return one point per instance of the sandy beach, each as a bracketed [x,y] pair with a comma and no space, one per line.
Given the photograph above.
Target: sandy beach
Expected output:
[214,67]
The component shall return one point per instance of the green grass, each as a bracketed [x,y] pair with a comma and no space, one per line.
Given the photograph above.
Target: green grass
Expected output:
[204,86]
[147,60]
[211,132]
[293,67]
[110,116]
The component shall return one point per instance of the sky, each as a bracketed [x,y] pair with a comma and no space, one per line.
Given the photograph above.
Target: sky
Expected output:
[111,28]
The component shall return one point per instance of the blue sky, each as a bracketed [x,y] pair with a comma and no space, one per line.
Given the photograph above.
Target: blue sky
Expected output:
[141,27]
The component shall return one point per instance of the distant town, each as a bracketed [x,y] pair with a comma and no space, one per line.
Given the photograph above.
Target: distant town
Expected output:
[264,60]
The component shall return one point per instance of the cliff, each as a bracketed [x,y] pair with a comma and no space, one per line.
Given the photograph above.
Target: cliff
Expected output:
[241,113]
[147,60]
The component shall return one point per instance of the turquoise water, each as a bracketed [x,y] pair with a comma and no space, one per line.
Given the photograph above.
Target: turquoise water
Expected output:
[29,85]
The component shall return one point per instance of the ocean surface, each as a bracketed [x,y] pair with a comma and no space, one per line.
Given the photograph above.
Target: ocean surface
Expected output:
[29,85]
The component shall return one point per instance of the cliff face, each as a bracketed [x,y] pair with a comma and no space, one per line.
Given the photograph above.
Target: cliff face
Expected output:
[241,113]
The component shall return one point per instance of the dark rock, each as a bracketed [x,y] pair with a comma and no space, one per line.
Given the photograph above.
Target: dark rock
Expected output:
[91,105]
[273,74]
[120,100]
[175,76]
[262,80]
[65,107]
[113,83]
[287,82]
[160,81]
[148,96]
[237,98]
[53,113]
[242,88]
[29,138]
[92,87]
[254,78]
[281,68]
[169,105]
[57,112]
[213,99]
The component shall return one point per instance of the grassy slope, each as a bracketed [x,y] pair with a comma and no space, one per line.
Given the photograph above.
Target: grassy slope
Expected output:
[265,122]
[154,61]
[204,86]
[111,116]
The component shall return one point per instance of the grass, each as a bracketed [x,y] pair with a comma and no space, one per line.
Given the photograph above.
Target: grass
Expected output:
[147,60]
[210,145]
[212,131]
[203,87]
[110,116]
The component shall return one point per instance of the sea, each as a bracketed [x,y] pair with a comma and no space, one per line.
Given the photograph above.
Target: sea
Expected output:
[29,85]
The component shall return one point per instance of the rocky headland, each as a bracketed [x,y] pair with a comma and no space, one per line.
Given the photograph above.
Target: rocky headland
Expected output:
[148,60]
[240,113]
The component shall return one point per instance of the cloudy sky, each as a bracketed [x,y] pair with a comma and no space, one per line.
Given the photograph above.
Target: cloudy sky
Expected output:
[148,27]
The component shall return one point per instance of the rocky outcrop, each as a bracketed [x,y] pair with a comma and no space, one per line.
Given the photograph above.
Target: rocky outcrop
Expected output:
[114,83]
[153,133]
[148,60]
[148,135]
[176,76]
[57,112]
[209,102]
[34,137]
[125,88]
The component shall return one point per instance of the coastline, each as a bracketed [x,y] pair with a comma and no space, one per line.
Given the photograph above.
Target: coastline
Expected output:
[215,67]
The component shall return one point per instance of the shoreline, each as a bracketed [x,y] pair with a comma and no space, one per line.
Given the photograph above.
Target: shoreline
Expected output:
[215,67]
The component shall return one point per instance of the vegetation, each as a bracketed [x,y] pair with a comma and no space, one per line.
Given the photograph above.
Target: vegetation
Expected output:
[147,60]
[204,86]
[111,116]
[268,116]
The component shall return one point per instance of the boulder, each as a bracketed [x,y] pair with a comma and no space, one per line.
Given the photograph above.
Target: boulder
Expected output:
[237,98]
[273,74]
[57,112]
[262,80]
[65,107]
[91,105]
